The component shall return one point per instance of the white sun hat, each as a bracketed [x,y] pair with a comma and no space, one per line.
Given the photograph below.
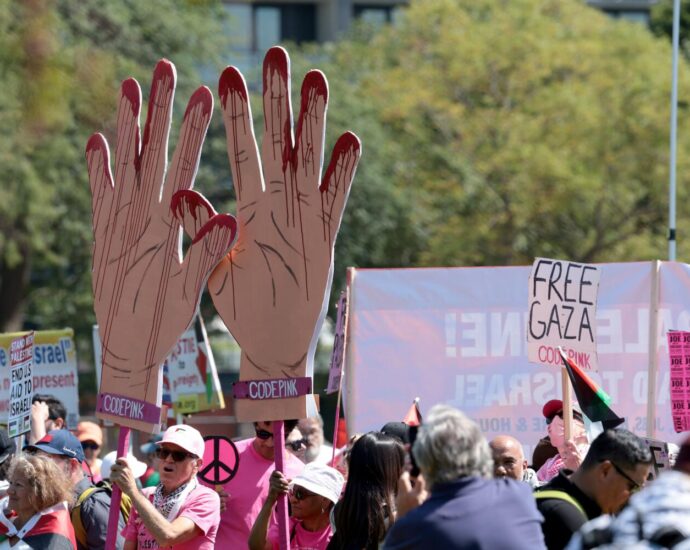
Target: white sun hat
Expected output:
[321,480]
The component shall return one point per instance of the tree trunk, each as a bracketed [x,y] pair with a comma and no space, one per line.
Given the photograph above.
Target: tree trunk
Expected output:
[14,281]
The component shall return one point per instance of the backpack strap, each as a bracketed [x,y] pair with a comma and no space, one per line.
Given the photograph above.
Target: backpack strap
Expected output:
[75,515]
[560,495]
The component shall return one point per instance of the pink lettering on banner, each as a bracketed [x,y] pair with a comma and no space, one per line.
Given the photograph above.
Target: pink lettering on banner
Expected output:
[127,407]
[280,388]
[679,355]
[550,355]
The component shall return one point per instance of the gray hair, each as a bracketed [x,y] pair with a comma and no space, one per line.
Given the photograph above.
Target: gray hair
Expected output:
[450,446]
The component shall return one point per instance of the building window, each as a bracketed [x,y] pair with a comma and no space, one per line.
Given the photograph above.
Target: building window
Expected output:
[376,15]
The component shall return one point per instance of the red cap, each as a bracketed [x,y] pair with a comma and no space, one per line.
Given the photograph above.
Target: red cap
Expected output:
[551,408]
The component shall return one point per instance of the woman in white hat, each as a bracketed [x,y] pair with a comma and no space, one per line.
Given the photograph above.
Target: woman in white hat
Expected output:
[312,495]
[178,513]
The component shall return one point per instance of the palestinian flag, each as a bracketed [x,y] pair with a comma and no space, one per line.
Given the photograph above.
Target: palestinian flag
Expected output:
[593,401]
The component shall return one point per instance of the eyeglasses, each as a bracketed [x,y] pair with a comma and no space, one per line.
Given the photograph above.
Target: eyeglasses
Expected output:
[177,456]
[634,485]
[297,444]
[86,445]
[300,493]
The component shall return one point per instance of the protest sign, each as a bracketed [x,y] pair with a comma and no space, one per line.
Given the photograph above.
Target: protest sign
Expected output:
[679,361]
[221,460]
[457,336]
[21,385]
[190,377]
[145,293]
[562,312]
[54,369]
[660,459]
[192,373]
[271,290]
[339,344]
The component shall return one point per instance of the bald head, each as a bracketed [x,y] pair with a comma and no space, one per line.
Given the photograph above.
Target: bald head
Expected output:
[509,458]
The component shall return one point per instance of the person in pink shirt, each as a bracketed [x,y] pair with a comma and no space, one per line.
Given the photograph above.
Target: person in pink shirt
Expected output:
[312,494]
[178,513]
[245,494]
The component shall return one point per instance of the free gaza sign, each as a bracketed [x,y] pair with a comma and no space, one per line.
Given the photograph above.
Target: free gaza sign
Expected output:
[562,312]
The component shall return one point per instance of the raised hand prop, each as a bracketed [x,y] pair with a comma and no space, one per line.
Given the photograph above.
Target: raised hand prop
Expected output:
[145,292]
[271,289]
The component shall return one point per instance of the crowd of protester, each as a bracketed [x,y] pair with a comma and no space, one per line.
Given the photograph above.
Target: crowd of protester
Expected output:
[447,488]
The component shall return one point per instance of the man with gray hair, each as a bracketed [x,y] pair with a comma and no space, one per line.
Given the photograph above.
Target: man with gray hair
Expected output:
[467,507]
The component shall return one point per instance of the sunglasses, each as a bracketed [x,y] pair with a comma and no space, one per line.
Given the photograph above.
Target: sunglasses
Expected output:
[299,493]
[559,414]
[177,456]
[86,445]
[297,444]
[634,485]
[264,435]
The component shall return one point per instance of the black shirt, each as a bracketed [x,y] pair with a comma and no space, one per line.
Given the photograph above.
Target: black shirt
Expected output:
[561,518]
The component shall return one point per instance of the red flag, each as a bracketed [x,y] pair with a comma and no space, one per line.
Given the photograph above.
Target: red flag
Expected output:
[413,416]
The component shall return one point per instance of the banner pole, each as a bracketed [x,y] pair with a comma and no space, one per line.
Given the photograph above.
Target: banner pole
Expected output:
[279,453]
[567,404]
[336,425]
[673,135]
[114,514]
[653,364]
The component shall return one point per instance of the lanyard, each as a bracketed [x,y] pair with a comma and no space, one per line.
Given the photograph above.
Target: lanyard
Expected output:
[29,525]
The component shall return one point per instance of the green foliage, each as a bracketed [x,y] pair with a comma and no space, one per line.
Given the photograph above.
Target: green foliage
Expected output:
[62,63]
[521,128]
[661,22]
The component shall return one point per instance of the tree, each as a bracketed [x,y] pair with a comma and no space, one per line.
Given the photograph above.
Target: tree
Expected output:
[661,22]
[522,128]
[62,63]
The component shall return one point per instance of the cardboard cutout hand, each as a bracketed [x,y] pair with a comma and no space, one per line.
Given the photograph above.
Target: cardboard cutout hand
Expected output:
[271,290]
[145,294]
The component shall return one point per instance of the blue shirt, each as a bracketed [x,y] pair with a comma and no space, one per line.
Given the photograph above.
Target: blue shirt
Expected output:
[473,514]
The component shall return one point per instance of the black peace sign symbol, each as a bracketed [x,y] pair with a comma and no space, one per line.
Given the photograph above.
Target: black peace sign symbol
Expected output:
[220,471]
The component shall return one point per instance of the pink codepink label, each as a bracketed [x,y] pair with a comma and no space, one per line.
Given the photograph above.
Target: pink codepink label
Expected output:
[128,407]
[279,388]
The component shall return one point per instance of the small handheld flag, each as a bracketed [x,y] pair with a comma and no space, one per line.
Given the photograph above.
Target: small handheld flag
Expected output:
[593,400]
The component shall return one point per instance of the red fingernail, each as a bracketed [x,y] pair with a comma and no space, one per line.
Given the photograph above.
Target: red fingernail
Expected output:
[218,220]
[348,143]
[130,89]
[231,81]
[276,60]
[202,96]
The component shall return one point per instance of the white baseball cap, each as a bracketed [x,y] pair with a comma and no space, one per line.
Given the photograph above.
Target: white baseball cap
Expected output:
[138,468]
[182,435]
[321,480]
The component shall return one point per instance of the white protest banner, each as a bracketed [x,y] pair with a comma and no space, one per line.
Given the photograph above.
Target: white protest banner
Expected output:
[192,373]
[21,385]
[457,336]
[562,312]
[54,369]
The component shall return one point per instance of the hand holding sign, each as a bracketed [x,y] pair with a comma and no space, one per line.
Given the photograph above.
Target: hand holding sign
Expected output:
[145,294]
[271,289]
